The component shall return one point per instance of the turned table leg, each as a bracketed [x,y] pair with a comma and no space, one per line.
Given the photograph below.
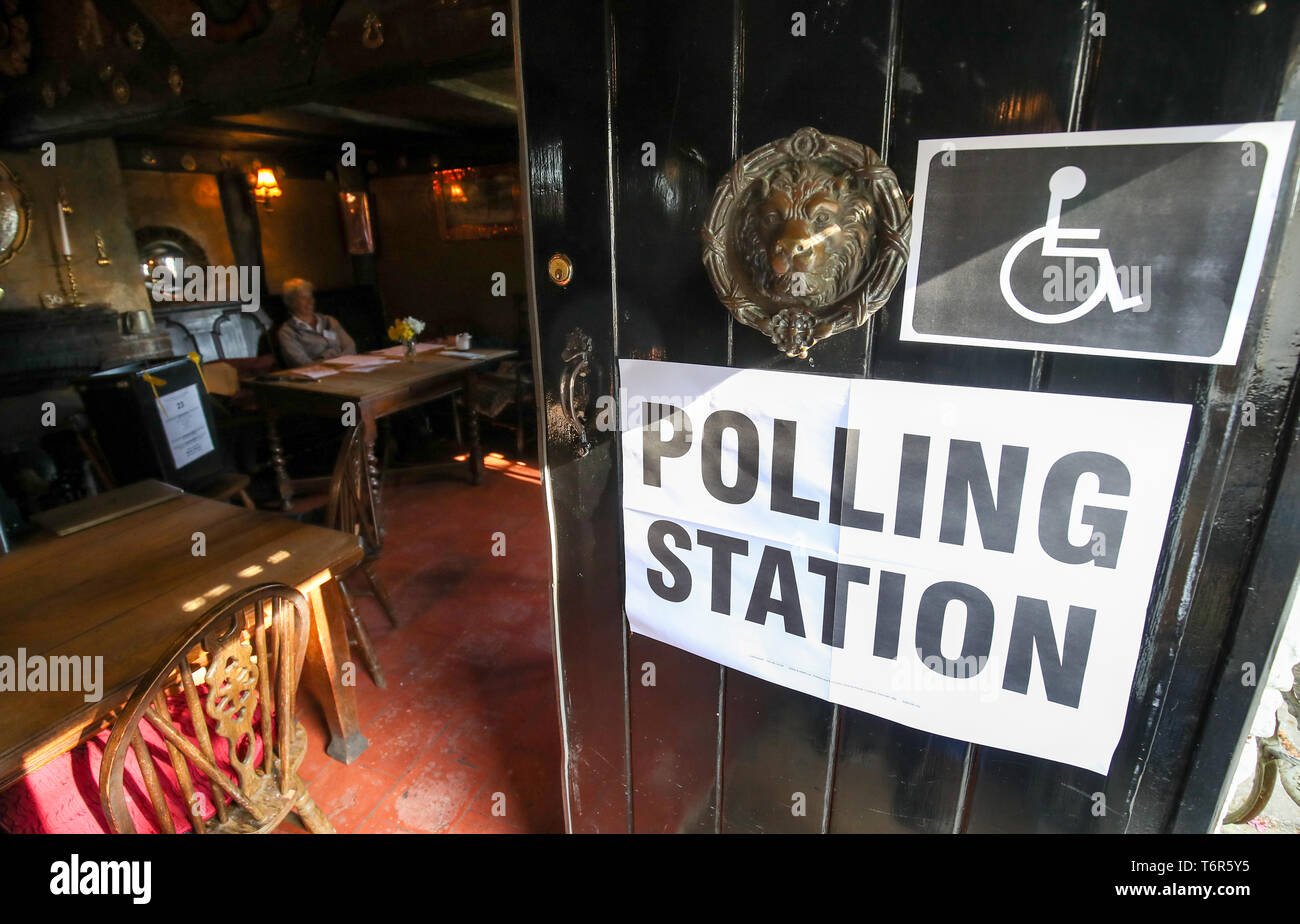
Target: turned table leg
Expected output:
[373,484]
[475,445]
[282,482]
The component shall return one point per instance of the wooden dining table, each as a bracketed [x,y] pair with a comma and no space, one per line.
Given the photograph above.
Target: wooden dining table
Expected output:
[358,400]
[130,590]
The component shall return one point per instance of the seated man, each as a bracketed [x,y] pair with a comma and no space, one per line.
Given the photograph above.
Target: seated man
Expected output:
[307,337]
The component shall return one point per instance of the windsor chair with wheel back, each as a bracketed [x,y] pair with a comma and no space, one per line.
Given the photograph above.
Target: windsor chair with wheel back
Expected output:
[233,681]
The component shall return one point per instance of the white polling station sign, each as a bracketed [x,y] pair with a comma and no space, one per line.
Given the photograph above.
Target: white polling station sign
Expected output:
[971,562]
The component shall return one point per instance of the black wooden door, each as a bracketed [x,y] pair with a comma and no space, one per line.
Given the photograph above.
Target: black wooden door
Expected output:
[711,749]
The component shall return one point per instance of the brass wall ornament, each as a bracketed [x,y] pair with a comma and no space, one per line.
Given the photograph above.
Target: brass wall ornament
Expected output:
[372,31]
[15,214]
[806,238]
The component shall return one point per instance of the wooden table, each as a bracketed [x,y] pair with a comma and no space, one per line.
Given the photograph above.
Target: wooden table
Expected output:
[129,591]
[358,400]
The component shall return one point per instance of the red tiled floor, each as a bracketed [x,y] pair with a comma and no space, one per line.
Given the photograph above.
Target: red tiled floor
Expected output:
[433,796]
[469,711]
[402,732]
[348,794]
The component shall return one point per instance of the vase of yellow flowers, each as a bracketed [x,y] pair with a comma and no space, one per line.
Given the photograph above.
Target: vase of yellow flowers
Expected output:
[404,331]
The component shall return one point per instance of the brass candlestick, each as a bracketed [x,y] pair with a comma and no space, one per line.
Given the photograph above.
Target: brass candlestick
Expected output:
[65,249]
[73,297]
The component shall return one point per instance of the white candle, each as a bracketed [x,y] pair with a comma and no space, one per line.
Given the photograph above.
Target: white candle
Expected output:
[63,232]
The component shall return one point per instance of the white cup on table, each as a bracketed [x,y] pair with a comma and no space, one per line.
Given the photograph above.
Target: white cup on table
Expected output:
[462,341]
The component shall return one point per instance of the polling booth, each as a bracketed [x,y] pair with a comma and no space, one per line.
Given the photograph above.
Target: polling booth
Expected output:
[920,402]
[162,408]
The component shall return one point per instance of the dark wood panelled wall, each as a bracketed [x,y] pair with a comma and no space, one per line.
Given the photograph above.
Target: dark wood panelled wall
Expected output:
[710,749]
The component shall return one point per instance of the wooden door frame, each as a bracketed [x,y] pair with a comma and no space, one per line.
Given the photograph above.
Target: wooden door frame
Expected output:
[1273,577]
[585,301]
[1194,754]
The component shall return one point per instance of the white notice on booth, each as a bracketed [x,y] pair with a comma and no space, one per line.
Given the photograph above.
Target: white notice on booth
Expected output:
[971,562]
[185,424]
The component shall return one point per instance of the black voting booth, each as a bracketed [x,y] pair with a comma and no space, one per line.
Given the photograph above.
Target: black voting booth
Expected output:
[155,420]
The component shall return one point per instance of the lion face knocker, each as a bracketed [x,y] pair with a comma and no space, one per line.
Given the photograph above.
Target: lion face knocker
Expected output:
[806,238]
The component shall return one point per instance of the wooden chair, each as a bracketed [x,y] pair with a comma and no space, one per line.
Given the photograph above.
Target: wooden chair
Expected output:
[507,392]
[239,668]
[351,507]
[344,513]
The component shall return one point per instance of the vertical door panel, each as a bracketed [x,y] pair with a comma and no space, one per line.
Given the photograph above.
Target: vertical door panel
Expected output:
[779,744]
[977,69]
[1169,62]
[562,56]
[1157,65]
[673,80]
[986,68]
[833,79]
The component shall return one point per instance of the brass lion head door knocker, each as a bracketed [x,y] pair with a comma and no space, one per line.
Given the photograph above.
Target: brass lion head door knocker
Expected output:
[806,238]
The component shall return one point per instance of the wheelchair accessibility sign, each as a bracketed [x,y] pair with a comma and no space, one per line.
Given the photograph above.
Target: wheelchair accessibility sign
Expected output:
[1145,243]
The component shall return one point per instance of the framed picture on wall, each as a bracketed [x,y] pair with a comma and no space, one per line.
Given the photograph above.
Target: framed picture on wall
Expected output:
[477,202]
[357,233]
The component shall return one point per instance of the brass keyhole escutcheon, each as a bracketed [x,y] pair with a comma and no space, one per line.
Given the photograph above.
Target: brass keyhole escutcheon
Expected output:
[560,268]
[806,238]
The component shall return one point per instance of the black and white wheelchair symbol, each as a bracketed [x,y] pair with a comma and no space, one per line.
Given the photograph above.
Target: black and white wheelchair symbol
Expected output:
[1066,183]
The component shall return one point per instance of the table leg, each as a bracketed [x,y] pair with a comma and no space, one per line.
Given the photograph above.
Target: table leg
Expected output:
[327,653]
[282,481]
[373,480]
[475,446]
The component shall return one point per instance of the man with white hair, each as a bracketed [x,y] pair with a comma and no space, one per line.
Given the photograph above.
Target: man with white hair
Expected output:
[307,337]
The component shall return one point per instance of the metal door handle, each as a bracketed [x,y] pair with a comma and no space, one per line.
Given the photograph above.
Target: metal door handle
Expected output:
[573,397]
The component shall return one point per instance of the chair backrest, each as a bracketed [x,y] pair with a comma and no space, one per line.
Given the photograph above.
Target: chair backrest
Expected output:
[235,678]
[270,343]
[237,334]
[360,309]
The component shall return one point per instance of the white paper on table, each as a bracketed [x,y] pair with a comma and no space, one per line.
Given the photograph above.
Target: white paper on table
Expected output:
[464,355]
[314,372]
[401,350]
[185,425]
[354,359]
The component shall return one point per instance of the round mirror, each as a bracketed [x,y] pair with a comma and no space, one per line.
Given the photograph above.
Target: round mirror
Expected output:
[169,247]
[15,215]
